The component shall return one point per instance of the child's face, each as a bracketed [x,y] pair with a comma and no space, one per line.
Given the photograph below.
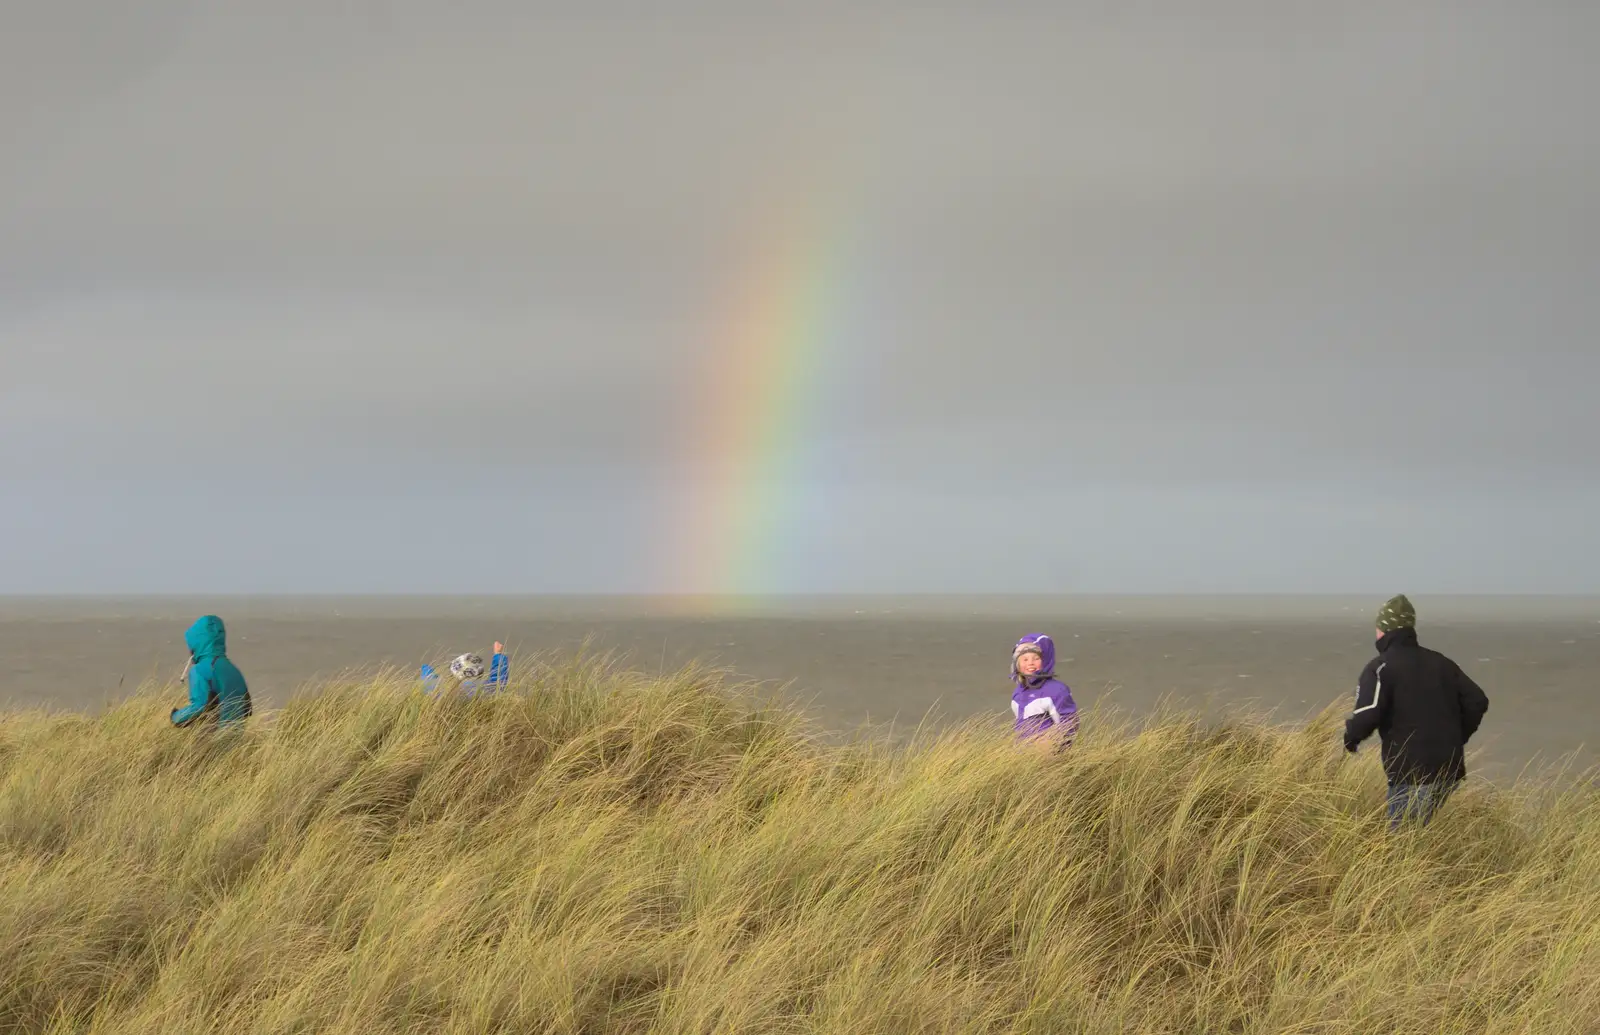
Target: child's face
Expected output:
[1028,664]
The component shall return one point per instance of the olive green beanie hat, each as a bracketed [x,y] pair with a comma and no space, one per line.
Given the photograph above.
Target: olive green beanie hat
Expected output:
[1397,614]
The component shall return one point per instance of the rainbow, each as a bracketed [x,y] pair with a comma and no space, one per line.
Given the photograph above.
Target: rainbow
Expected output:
[756,403]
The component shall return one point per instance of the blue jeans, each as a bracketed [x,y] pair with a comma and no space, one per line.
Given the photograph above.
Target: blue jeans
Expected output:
[1417,801]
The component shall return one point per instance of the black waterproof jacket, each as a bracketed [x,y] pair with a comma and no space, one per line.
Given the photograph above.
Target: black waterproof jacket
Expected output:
[1423,708]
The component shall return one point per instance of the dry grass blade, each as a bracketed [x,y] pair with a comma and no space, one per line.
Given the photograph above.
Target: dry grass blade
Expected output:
[597,851]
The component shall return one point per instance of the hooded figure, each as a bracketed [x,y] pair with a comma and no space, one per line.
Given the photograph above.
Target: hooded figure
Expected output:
[1040,701]
[216,686]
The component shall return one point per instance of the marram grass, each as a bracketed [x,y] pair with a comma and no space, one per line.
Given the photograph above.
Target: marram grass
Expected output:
[598,851]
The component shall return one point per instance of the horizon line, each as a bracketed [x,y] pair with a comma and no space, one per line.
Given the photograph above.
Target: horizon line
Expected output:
[835,595]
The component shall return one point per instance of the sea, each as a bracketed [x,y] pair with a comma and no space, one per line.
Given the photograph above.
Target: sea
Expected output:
[883,663]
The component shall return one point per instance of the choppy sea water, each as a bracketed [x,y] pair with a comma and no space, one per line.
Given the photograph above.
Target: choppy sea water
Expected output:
[855,660]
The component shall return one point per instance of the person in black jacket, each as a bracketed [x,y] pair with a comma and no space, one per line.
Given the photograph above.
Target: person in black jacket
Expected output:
[1424,710]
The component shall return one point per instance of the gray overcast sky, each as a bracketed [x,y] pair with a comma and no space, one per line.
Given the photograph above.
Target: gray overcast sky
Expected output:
[356,296]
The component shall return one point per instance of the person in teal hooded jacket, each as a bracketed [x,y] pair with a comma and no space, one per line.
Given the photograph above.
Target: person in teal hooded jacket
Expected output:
[216,686]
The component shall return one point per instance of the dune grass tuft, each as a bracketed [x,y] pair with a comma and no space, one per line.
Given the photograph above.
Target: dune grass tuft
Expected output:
[597,851]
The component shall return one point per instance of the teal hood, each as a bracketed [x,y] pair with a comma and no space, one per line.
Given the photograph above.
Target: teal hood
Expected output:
[207,638]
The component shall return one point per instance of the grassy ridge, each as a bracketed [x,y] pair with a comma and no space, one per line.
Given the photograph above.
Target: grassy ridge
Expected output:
[607,852]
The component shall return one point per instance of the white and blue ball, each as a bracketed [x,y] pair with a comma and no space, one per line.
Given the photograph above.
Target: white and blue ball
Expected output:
[467,666]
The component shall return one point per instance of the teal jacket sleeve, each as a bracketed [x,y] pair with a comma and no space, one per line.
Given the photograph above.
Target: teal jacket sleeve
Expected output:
[202,692]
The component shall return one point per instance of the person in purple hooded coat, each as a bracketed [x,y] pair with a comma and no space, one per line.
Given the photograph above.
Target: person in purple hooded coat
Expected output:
[1041,702]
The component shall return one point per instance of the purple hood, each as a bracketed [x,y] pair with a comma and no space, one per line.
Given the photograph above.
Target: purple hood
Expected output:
[1047,658]
[1041,701]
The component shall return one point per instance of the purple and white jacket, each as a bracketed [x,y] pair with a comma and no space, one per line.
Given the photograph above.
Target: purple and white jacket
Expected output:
[1041,702]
